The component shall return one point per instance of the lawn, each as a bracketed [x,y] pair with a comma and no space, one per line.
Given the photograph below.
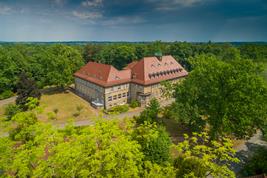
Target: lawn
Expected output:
[64,105]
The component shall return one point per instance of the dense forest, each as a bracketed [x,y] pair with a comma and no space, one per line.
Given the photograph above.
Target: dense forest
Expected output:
[54,64]
[224,98]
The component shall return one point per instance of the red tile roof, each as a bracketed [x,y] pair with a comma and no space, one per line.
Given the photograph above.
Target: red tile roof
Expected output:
[103,74]
[147,71]
[151,70]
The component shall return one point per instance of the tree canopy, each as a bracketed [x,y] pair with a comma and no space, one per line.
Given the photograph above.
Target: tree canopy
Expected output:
[231,97]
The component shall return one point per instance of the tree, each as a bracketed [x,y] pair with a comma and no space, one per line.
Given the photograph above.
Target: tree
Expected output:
[11,110]
[150,114]
[64,62]
[123,55]
[26,88]
[200,157]
[155,143]
[230,97]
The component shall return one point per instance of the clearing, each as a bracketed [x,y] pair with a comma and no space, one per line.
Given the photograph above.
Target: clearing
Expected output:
[65,105]
[61,106]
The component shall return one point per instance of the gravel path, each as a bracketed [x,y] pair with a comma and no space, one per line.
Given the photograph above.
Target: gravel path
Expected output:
[7,101]
[255,139]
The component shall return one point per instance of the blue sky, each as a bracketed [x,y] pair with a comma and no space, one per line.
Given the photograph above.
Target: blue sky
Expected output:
[133,20]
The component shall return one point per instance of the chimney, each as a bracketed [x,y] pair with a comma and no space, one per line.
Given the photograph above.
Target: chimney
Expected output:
[159,55]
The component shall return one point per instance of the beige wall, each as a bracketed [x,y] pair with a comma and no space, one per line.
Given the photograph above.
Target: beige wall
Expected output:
[116,95]
[155,91]
[88,90]
[120,94]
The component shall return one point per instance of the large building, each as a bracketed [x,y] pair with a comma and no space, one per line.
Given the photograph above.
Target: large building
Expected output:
[105,86]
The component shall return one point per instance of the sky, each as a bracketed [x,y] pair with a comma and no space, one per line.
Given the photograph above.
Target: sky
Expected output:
[133,20]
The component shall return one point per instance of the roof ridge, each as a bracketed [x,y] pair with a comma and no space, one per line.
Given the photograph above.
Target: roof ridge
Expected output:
[109,72]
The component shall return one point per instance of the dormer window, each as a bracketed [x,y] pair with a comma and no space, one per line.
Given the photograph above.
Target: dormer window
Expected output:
[117,78]
[159,64]
[166,64]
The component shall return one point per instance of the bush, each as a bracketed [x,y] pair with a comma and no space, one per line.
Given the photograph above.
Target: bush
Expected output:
[55,110]
[118,109]
[76,114]
[134,104]
[79,108]
[51,116]
[6,94]
[11,110]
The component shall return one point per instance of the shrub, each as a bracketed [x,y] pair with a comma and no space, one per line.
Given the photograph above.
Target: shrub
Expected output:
[134,104]
[55,110]
[11,110]
[79,108]
[76,114]
[6,94]
[51,116]
[118,109]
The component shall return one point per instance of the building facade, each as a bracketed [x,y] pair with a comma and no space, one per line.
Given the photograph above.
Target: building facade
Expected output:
[105,86]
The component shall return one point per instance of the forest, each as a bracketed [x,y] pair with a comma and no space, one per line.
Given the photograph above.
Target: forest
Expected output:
[54,64]
[223,99]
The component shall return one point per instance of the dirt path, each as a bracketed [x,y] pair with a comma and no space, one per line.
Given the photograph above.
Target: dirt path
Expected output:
[7,101]
[255,139]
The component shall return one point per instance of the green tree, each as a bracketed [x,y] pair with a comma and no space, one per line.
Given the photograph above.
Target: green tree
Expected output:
[11,110]
[123,55]
[65,61]
[200,157]
[230,97]
[155,143]
[26,88]
[150,114]
[38,150]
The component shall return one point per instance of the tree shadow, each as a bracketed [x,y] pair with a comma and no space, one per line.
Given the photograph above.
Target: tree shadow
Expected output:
[244,156]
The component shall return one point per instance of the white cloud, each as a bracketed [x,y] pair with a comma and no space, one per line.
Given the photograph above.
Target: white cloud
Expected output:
[87,15]
[92,3]
[4,10]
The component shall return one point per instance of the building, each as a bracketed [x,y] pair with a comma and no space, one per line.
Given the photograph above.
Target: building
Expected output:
[105,86]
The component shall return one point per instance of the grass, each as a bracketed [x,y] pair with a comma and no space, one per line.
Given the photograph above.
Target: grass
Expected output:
[63,106]
[2,111]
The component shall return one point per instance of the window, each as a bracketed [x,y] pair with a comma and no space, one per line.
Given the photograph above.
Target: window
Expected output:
[119,87]
[110,98]
[127,93]
[114,97]
[119,95]
[124,95]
